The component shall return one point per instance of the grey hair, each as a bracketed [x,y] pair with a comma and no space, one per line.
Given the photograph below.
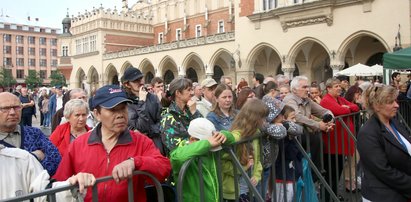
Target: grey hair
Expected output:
[76,90]
[295,83]
[281,79]
[331,81]
[73,104]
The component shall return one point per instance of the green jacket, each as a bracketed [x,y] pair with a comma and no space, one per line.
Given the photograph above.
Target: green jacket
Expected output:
[228,173]
[191,183]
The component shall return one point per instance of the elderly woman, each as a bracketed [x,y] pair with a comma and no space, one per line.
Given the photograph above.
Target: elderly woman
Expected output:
[177,117]
[223,113]
[76,112]
[337,143]
[384,146]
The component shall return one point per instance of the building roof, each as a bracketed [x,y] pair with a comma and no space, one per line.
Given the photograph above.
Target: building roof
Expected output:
[35,22]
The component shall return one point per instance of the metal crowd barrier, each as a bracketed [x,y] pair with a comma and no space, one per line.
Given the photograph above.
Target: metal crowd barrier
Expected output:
[326,188]
[51,193]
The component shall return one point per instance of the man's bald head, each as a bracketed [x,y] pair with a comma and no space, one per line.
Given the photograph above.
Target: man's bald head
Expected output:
[10,112]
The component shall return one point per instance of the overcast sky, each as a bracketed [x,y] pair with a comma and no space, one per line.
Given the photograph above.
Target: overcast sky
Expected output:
[52,12]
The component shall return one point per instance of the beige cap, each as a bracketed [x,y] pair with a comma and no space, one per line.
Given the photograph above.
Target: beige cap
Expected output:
[208,82]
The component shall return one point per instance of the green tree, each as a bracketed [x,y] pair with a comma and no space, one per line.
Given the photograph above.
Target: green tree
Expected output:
[33,79]
[6,78]
[57,78]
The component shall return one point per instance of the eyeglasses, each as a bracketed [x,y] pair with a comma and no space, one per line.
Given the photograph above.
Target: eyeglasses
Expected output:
[8,108]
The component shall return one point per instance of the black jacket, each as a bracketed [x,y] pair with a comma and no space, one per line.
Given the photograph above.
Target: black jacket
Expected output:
[386,164]
[145,116]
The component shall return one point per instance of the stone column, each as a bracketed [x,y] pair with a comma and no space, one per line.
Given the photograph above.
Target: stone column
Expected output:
[181,72]
[288,72]
[336,68]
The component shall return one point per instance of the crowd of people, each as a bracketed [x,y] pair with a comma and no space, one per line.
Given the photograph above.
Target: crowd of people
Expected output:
[157,128]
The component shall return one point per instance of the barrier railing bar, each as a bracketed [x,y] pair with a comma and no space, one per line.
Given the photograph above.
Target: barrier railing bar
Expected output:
[244,174]
[181,176]
[53,191]
[314,168]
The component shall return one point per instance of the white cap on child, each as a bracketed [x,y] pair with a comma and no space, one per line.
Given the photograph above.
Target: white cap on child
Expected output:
[202,129]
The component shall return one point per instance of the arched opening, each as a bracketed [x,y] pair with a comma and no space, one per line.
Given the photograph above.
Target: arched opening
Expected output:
[375,59]
[192,75]
[149,76]
[168,77]
[114,80]
[218,73]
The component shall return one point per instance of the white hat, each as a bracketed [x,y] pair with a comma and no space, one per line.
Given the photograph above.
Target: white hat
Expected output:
[202,129]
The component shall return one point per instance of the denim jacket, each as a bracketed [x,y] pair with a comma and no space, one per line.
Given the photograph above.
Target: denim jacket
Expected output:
[221,122]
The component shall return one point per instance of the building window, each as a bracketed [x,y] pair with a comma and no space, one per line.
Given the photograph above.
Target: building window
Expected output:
[178,34]
[53,63]
[7,61]
[42,41]
[7,49]
[65,51]
[43,74]
[19,39]
[198,31]
[78,46]
[32,62]
[93,43]
[85,45]
[221,26]
[53,52]
[160,38]
[43,52]
[43,63]
[32,40]
[53,42]
[7,38]
[269,4]
[19,50]
[19,61]
[20,73]
[32,51]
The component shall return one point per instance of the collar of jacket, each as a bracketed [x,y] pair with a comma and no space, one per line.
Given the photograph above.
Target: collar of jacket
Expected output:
[95,136]
[175,109]
[390,137]
[300,101]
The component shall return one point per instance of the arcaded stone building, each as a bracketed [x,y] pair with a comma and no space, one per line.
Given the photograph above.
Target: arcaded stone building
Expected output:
[206,38]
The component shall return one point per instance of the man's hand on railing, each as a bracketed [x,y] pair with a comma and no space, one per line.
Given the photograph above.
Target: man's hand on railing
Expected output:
[83,180]
[123,170]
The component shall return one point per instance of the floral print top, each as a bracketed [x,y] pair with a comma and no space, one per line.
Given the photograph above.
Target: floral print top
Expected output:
[174,125]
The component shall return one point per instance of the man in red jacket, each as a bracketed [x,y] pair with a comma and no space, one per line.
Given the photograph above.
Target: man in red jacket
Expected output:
[111,149]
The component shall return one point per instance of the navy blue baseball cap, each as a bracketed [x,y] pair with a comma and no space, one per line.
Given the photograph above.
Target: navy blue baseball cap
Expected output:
[109,96]
[131,74]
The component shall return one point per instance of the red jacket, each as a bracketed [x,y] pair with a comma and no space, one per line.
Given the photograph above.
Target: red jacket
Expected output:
[61,137]
[87,154]
[335,106]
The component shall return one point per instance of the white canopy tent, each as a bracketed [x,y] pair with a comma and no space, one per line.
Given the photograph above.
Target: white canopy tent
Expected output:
[361,70]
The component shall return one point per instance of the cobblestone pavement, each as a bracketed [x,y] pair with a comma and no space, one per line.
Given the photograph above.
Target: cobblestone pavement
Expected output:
[36,123]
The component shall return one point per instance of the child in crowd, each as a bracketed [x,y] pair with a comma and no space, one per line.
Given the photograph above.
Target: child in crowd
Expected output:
[288,166]
[203,139]
[246,124]
[273,130]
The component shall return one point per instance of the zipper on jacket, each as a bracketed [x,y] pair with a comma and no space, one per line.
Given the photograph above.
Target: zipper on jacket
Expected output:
[107,167]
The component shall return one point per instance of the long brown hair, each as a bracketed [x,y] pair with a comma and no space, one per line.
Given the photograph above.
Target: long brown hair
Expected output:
[216,108]
[247,121]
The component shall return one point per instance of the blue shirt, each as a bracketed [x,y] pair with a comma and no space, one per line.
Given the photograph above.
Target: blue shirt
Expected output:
[221,122]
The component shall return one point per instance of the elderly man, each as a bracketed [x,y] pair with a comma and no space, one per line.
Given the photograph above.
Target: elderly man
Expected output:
[206,102]
[305,108]
[25,137]
[112,149]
